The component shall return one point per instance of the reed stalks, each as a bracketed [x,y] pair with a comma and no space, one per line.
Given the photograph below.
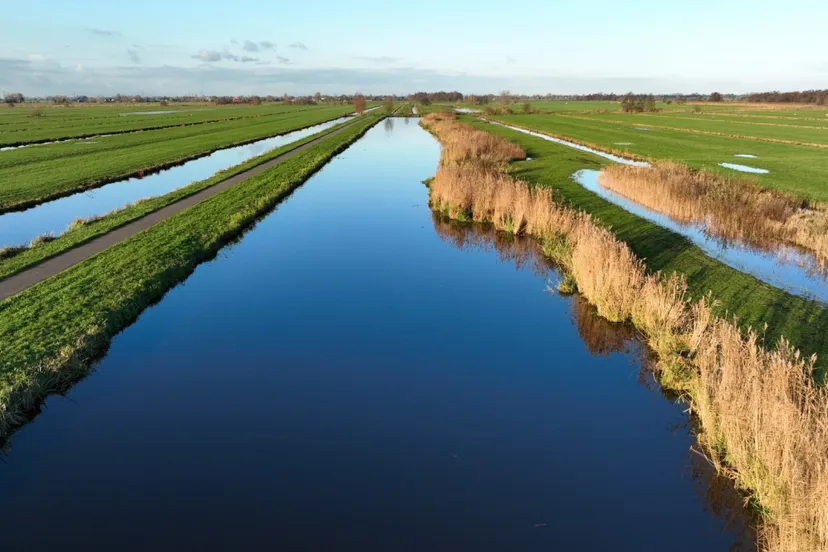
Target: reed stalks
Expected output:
[734,209]
[763,420]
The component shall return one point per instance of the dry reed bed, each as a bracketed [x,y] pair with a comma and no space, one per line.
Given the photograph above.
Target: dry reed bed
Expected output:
[730,208]
[763,420]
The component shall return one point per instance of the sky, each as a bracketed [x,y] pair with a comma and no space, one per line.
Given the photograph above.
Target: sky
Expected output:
[239,47]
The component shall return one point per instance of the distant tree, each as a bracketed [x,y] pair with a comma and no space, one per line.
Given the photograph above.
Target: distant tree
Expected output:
[472,99]
[317,97]
[163,103]
[255,100]
[13,98]
[716,97]
[648,104]
[629,104]
[505,96]
[359,104]
[388,104]
[527,108]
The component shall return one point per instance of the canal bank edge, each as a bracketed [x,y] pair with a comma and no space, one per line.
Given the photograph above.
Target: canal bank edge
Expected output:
[80,309]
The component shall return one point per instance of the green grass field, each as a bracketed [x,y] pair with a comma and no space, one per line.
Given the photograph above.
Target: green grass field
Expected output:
[35,174]
[18,126]
[753,302]
[799,170]
[64,321]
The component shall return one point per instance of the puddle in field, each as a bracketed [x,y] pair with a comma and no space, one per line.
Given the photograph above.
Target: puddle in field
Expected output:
[743,168]
[54,216]
[466,110]
[785,267]
[642,128]
[61,141]
[623,143]
[746,155]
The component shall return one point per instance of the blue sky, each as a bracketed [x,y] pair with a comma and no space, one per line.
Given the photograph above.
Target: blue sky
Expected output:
[372,46]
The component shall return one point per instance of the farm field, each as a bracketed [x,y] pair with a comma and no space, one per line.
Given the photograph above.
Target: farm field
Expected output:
[20,126]
[32,175]
[799,170]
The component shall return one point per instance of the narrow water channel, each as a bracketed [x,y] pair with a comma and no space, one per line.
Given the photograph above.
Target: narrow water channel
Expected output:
[784,267]
[17,228]
[353,374]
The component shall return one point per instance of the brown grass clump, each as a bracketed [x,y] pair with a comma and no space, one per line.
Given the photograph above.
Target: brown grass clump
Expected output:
[730,208]
[462,143]
[763,419]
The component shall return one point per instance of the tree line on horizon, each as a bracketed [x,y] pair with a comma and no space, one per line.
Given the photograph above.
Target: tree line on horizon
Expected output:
[633,101]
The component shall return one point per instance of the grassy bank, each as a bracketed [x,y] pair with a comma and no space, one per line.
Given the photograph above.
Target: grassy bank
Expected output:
[84,230]
[37,174]
[763,419]
[52,332]
[755,303]
[798,170]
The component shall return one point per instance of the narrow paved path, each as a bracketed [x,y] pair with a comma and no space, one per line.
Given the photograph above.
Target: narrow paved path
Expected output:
[36,274]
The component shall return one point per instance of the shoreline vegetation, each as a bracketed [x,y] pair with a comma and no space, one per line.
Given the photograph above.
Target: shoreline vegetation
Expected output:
[763,419]
[53,332]
[731,208]
[16,258]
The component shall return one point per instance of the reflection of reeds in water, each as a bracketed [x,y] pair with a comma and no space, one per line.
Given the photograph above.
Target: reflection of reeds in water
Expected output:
[523,252]
[764,421]
[730,208]
[602,338]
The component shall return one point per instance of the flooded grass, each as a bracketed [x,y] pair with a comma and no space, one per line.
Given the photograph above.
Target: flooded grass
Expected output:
[773,439]
[744,168]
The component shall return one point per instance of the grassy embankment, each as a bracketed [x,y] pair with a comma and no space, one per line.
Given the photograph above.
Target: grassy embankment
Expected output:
[52,332]
[18,126]
[755,303]
[795,169]
[763,419]
[84,230]
[33,175]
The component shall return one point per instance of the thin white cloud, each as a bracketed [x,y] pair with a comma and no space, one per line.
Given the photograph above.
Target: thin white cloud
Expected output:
[250,46]
[35,57]
[298,46]
[104,32]
[212,56]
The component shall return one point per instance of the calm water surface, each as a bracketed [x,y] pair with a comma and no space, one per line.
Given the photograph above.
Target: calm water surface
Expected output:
[354,375]
[54,216]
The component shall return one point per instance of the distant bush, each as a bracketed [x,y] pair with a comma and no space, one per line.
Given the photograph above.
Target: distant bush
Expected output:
[527,108]
[716,97]
[632,103]
[359,104]
[37,112]
[163,103]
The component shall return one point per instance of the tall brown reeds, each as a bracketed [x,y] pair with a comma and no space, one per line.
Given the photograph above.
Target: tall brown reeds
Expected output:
[763,420]
[731,208]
